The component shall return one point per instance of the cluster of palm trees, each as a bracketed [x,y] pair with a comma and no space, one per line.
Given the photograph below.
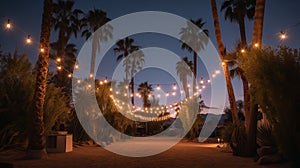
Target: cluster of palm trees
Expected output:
[69,21]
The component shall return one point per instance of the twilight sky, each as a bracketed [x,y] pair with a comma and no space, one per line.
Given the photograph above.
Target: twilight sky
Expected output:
[25,16]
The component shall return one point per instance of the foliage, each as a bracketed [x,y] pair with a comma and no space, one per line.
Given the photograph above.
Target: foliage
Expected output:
[265,135]
[17,89]
[274,74]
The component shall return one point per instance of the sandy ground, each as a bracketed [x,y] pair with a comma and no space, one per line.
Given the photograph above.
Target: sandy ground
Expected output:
[184,154]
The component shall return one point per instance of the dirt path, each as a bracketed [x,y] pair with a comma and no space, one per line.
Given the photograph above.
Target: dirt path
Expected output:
[184,154]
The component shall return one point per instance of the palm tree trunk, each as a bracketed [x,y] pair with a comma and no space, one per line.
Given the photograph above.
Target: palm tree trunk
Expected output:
[251,128]
[225,67]
[195,72]
[246,95]
[242,32]
[132,90]
[258,22]
[94,51]
[37,139]
[186,89]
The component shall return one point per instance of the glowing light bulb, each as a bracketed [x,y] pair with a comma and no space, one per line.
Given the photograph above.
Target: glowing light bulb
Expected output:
[76,66]
[42,50]
[174,87]
[58,59]
[188,85]
[101,82]
[223,63]
[208,81]
[91,75]
[174,93]
[201,81]
[283,36]
[217,71]
[70,75]
[59,67]
[158,95]
[243,50]
[28,39]
[105,81]
[78,81]
[256,45]
[158,87]
[8,24]
[167,94]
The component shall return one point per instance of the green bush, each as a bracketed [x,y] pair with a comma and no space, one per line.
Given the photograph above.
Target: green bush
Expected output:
[274,76]
[17,86]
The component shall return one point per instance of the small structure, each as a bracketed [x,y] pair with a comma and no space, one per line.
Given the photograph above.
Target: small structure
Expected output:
[59,142]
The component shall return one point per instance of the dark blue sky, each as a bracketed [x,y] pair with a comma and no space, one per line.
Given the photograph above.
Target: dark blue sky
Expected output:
[26,17]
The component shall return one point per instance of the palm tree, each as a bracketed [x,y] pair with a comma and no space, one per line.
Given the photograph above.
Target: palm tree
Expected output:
[145,90]
[258,22]
[126,47]
[197,39]
[184,69]
[222,53]
[92,21]
[236,11]
[37,139]
[251,129]
[66,21]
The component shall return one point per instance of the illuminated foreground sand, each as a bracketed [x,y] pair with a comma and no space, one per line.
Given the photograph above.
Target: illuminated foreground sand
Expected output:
[184,154]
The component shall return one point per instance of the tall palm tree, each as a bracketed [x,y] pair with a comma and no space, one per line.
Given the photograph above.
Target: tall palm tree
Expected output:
[145,90]
[37,139]
[258,22]
[197,39]
[126,47]
[66,21]
[236,11]
[184,69]
[222,53]
[251,129]
[92,21]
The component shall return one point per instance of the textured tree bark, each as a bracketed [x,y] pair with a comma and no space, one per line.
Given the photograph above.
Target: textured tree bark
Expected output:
[251,129]
[37,139]
[221,50]
[258,22]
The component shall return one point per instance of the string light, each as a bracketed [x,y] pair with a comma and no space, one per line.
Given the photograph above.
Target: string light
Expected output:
[59,67]
[8,24]
[174,86]
[76,66]
[283,35]
[91,75]
[70,75]
[28,39]
[208,81]
[256,45]
[105,81]
[157,87]
[58,59]
[42,50]
[218,72]
[243,50]
[201,81]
